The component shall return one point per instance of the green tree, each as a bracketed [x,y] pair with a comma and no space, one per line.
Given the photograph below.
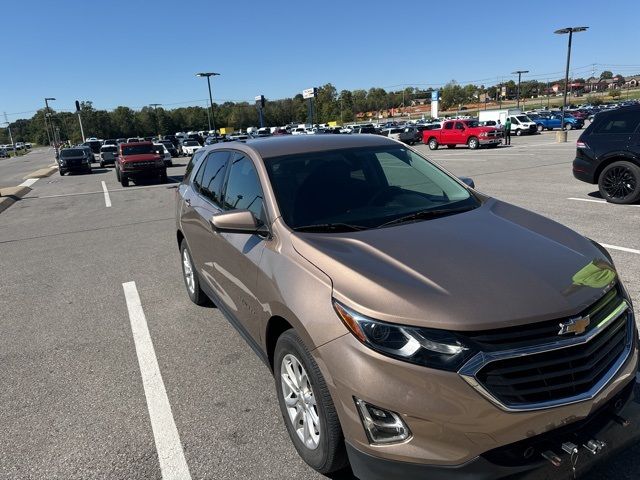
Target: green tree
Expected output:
[606,74]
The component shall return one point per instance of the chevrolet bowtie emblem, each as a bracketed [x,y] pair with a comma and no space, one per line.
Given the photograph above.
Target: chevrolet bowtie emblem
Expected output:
[574,325]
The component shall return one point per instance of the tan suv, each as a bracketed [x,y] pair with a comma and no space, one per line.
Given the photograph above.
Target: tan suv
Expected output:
[415,327]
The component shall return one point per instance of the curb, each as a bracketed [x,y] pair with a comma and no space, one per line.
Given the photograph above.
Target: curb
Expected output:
[42,173]
[11,195]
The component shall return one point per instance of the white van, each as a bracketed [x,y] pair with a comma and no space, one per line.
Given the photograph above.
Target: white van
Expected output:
[520,123]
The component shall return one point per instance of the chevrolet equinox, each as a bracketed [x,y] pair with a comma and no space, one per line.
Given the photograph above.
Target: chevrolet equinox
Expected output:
[415,327]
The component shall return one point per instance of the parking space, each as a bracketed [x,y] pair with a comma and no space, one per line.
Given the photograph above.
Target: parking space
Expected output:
[81,397]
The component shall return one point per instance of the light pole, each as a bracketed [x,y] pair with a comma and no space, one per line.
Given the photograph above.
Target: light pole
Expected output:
[47,113]
[55,145]
[519,72]
[213,118]
[570,31]
[155,113]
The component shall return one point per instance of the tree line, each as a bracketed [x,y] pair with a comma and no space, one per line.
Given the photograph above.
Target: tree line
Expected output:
[329,105]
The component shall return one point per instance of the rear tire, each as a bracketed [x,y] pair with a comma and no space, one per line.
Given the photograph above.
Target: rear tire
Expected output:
[329,454]
[433,144]
[619,182]
[62,172]
[191,280]
[518,132]
[568,126]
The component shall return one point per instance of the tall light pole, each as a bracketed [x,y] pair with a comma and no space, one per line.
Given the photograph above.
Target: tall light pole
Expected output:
[155,113]
[213,118]
[46,113]
[570,31]
[519,72]
[55,145]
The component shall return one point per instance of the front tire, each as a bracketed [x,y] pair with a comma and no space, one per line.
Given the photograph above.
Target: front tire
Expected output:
[473,143]
[620,182]
[568,126]
[540,128]
[518,132]
[306,406]
[124,181]
[433,144]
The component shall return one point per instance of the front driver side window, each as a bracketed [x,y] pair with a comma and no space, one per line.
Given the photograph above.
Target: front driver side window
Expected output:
[243,188]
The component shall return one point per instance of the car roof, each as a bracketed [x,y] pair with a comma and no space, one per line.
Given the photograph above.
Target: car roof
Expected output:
[136,143]
[300,144]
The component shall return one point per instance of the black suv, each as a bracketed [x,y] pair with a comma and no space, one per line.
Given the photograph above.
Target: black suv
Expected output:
[74,160]
[608,153]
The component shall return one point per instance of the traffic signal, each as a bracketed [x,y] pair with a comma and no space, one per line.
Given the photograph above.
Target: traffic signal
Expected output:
[77,106]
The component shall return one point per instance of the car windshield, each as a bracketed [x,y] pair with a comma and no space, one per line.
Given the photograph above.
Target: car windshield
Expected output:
[109,149]
[523,118]
[137,149]
[363,187]
[472,124]
[71,152]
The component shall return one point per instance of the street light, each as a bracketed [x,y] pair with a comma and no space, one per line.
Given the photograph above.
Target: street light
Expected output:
[519,72]
[570,31]
[213,118]
[155,113]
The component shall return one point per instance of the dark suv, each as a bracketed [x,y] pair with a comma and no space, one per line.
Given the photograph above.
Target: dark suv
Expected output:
[608,153]
[74,160]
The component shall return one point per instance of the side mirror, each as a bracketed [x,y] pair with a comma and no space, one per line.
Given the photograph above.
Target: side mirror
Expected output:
[238,221]
[468,181]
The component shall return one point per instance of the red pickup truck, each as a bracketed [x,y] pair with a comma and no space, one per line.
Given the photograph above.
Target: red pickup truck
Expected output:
[139,160]
[462,132]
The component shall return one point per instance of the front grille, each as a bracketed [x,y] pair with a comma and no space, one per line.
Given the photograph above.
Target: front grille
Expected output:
[541,332]
[531,366]
[136,165]
[556,374]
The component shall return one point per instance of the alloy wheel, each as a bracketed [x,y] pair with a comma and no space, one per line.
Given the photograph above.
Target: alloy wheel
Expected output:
[188,272]
[300,401]
[619,182]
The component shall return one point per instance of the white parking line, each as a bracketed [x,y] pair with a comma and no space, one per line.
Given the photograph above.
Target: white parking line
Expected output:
[107,200]
[28,182]
[598,201]
[622,249]
[173,464]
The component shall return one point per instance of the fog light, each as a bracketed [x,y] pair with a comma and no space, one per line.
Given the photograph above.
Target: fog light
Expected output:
[381,426]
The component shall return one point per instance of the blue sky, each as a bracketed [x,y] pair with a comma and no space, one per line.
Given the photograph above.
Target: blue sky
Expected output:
[135,52]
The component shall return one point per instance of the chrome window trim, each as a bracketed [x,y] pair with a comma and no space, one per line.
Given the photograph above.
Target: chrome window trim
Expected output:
[470,369]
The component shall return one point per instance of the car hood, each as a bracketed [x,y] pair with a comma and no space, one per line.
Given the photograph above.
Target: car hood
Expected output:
[492,267]
[483,129]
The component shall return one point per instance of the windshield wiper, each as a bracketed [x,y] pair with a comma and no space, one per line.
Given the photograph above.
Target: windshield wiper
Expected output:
[330,227]
[424,214]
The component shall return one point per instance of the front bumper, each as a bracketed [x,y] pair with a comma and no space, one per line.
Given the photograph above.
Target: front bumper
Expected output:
[452,425]
[489,141]
[524,458]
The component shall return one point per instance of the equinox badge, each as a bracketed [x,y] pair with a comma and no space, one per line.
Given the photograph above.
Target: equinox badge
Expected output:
[574,325]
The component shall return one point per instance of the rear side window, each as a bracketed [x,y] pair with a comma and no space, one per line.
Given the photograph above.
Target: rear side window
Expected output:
[625,123]
[448,126]
[243,187]
[213,170]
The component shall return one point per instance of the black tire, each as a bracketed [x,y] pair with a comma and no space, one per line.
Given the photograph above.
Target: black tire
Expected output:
[433,144]
[101,164]
[62,172]
[451,146]
[330,454]
[124,181]
[197,296]
[163,176]
[518,132]
[473,143]
[619,182]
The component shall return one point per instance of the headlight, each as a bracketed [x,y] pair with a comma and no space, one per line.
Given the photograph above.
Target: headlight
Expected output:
[62,162]
[423,346]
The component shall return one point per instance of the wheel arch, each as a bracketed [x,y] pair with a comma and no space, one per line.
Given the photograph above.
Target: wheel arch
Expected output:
[276,326]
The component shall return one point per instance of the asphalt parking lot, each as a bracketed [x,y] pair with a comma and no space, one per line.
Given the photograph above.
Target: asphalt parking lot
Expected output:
[79,339]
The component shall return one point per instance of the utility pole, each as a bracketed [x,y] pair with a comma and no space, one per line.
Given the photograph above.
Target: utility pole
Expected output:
[13,145]
[55,145]
[570,31]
